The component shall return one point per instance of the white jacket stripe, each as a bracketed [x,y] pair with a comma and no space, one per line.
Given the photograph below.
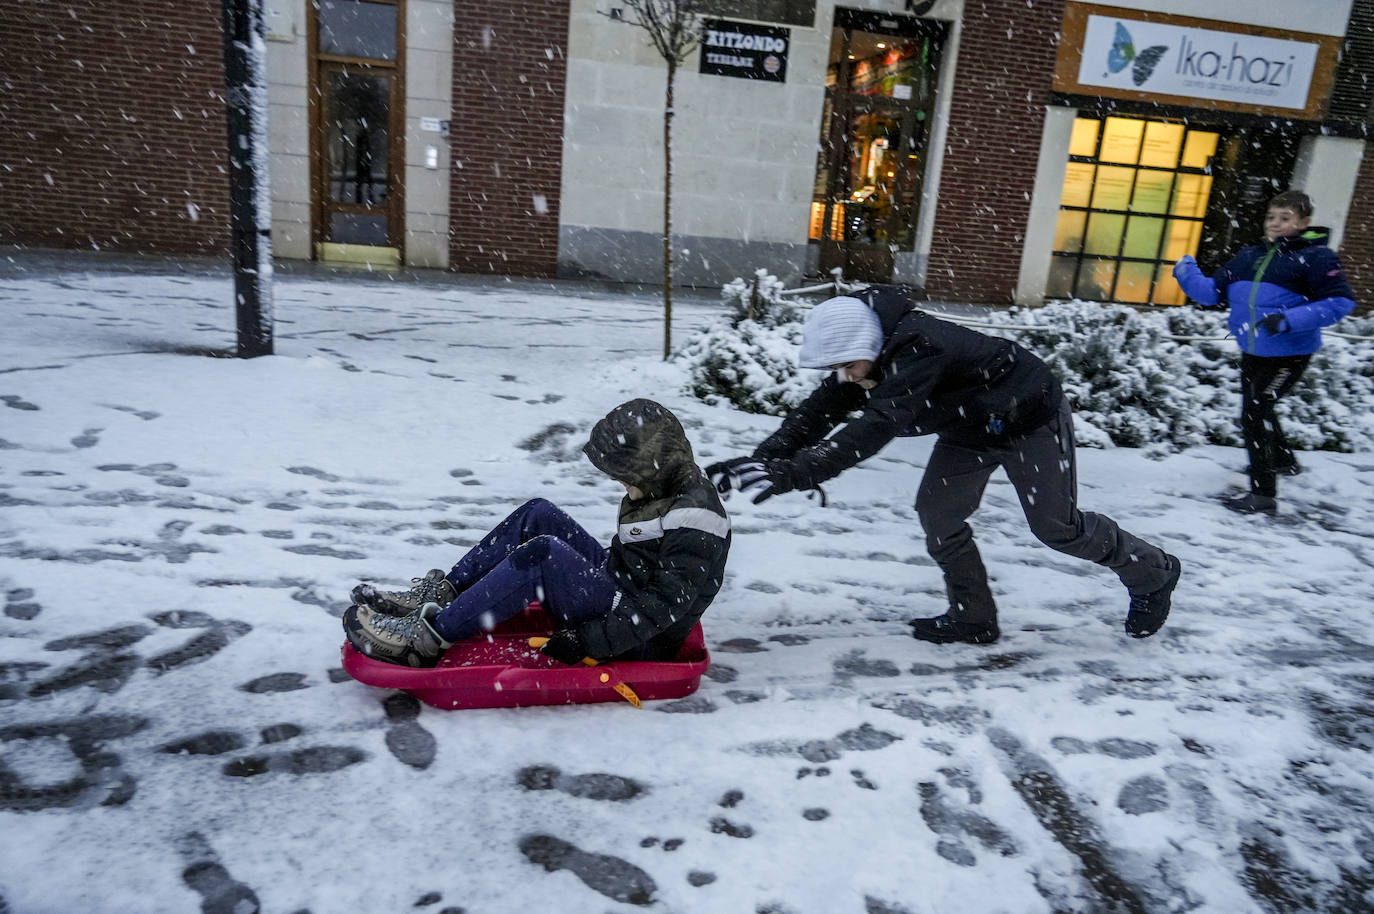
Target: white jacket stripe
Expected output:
[679,518]
[702,519]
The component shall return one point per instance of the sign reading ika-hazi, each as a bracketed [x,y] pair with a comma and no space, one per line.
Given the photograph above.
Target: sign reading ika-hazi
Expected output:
[744,50]
[1164,59]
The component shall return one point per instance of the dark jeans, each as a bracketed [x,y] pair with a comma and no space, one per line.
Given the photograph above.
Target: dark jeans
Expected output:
[1043,470]
[537,553]
[1263,379]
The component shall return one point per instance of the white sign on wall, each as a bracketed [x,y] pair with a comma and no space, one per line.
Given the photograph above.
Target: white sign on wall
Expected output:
[1191,62]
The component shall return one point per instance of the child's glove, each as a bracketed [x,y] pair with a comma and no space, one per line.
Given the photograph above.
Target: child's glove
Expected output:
[565,647]
[1186,264]
[768,478]
[725,475]
[1273,323]
[759,479]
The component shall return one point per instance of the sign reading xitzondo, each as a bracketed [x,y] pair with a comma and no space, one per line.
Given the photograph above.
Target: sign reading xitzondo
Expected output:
[744,50]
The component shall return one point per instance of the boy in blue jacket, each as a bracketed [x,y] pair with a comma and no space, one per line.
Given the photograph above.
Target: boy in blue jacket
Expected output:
[1281,293]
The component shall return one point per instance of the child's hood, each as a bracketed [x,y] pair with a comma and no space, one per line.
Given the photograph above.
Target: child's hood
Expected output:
[641,442]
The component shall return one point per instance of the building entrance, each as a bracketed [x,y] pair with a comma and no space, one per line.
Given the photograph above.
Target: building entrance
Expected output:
[880,95]
[357,129]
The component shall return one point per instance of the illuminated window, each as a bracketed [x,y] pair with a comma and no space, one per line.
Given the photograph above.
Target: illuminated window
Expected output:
[1135,193]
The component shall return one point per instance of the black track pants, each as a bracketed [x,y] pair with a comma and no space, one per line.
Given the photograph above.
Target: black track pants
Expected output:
[1043,470]
[1263,379]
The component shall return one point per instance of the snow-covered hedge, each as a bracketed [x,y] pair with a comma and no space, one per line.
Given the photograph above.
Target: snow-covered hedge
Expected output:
[748,358]
[1134,378]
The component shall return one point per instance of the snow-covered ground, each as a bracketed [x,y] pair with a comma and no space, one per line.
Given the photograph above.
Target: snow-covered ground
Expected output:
[179,533]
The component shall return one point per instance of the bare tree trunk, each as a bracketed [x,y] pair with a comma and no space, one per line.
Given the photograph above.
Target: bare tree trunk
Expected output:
[668,213]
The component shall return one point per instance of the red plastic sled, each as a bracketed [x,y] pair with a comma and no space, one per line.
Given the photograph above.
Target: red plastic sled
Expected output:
[500,670]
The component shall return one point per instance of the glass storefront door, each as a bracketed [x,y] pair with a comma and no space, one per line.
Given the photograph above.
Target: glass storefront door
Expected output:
[1135,197]
[880,90]
[358,124]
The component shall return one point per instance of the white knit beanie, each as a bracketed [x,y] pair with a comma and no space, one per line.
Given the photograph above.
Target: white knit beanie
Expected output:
[840,330]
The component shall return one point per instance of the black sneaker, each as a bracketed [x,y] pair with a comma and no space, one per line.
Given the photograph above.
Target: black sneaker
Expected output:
[1252,503]
[1149,610]
[434,587]
[948,630]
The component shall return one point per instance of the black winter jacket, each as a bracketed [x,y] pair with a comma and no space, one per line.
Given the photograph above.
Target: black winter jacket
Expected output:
[668,555]
[933,377]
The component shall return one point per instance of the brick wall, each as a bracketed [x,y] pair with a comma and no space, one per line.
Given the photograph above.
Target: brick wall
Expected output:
[112,127]
[1001,86]
[507,135]
[1357,241]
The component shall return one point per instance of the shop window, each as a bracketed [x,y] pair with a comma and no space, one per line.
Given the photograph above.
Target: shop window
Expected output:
[1135,194]
[356,28]
[879,100]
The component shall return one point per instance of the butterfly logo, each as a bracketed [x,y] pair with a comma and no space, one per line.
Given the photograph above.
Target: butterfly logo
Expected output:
[1123,52]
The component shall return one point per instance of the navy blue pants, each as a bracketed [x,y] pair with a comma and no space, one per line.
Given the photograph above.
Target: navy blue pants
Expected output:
[537,553]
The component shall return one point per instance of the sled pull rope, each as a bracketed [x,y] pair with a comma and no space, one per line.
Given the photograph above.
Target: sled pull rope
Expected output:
[624,690]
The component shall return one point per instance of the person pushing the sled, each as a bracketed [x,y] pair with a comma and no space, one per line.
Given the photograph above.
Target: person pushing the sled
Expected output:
[636,600]
[990,403]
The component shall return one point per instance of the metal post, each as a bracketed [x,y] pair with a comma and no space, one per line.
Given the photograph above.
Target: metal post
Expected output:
[245,97]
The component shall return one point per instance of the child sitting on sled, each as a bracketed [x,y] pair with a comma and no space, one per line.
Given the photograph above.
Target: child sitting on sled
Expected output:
[637,600]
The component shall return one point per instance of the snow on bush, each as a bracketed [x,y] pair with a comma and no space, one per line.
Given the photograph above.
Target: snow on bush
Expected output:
[748,357]
[1164,378]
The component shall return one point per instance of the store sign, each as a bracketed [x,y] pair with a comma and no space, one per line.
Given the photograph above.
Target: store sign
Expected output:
[743,50]
[1165,59]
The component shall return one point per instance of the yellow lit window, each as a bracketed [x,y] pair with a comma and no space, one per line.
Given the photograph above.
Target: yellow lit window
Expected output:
[1112,189]
[1078,184]
[1200,147]
[1084,139]
[1162,142]
[1132,204]
[1121,140]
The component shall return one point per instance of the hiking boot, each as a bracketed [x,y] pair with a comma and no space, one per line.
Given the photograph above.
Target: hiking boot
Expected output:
[1252,503]
[406,640]
[947,630]
[432,588]
[1149,610]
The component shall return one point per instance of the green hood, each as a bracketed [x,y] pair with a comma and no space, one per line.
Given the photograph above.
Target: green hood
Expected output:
[642,443]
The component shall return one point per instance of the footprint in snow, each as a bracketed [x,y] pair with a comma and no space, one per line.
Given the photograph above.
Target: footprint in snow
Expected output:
[1114,747]
[612,877]
[275,682]
[1144,794]
[220,892]
[740,646]
[406,739]
[313,760]
[596,786]
[855,664]
[144,414]
[953,823]
[19,604]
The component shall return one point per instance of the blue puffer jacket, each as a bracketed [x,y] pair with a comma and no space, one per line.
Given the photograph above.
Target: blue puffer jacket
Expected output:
[1298,277]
